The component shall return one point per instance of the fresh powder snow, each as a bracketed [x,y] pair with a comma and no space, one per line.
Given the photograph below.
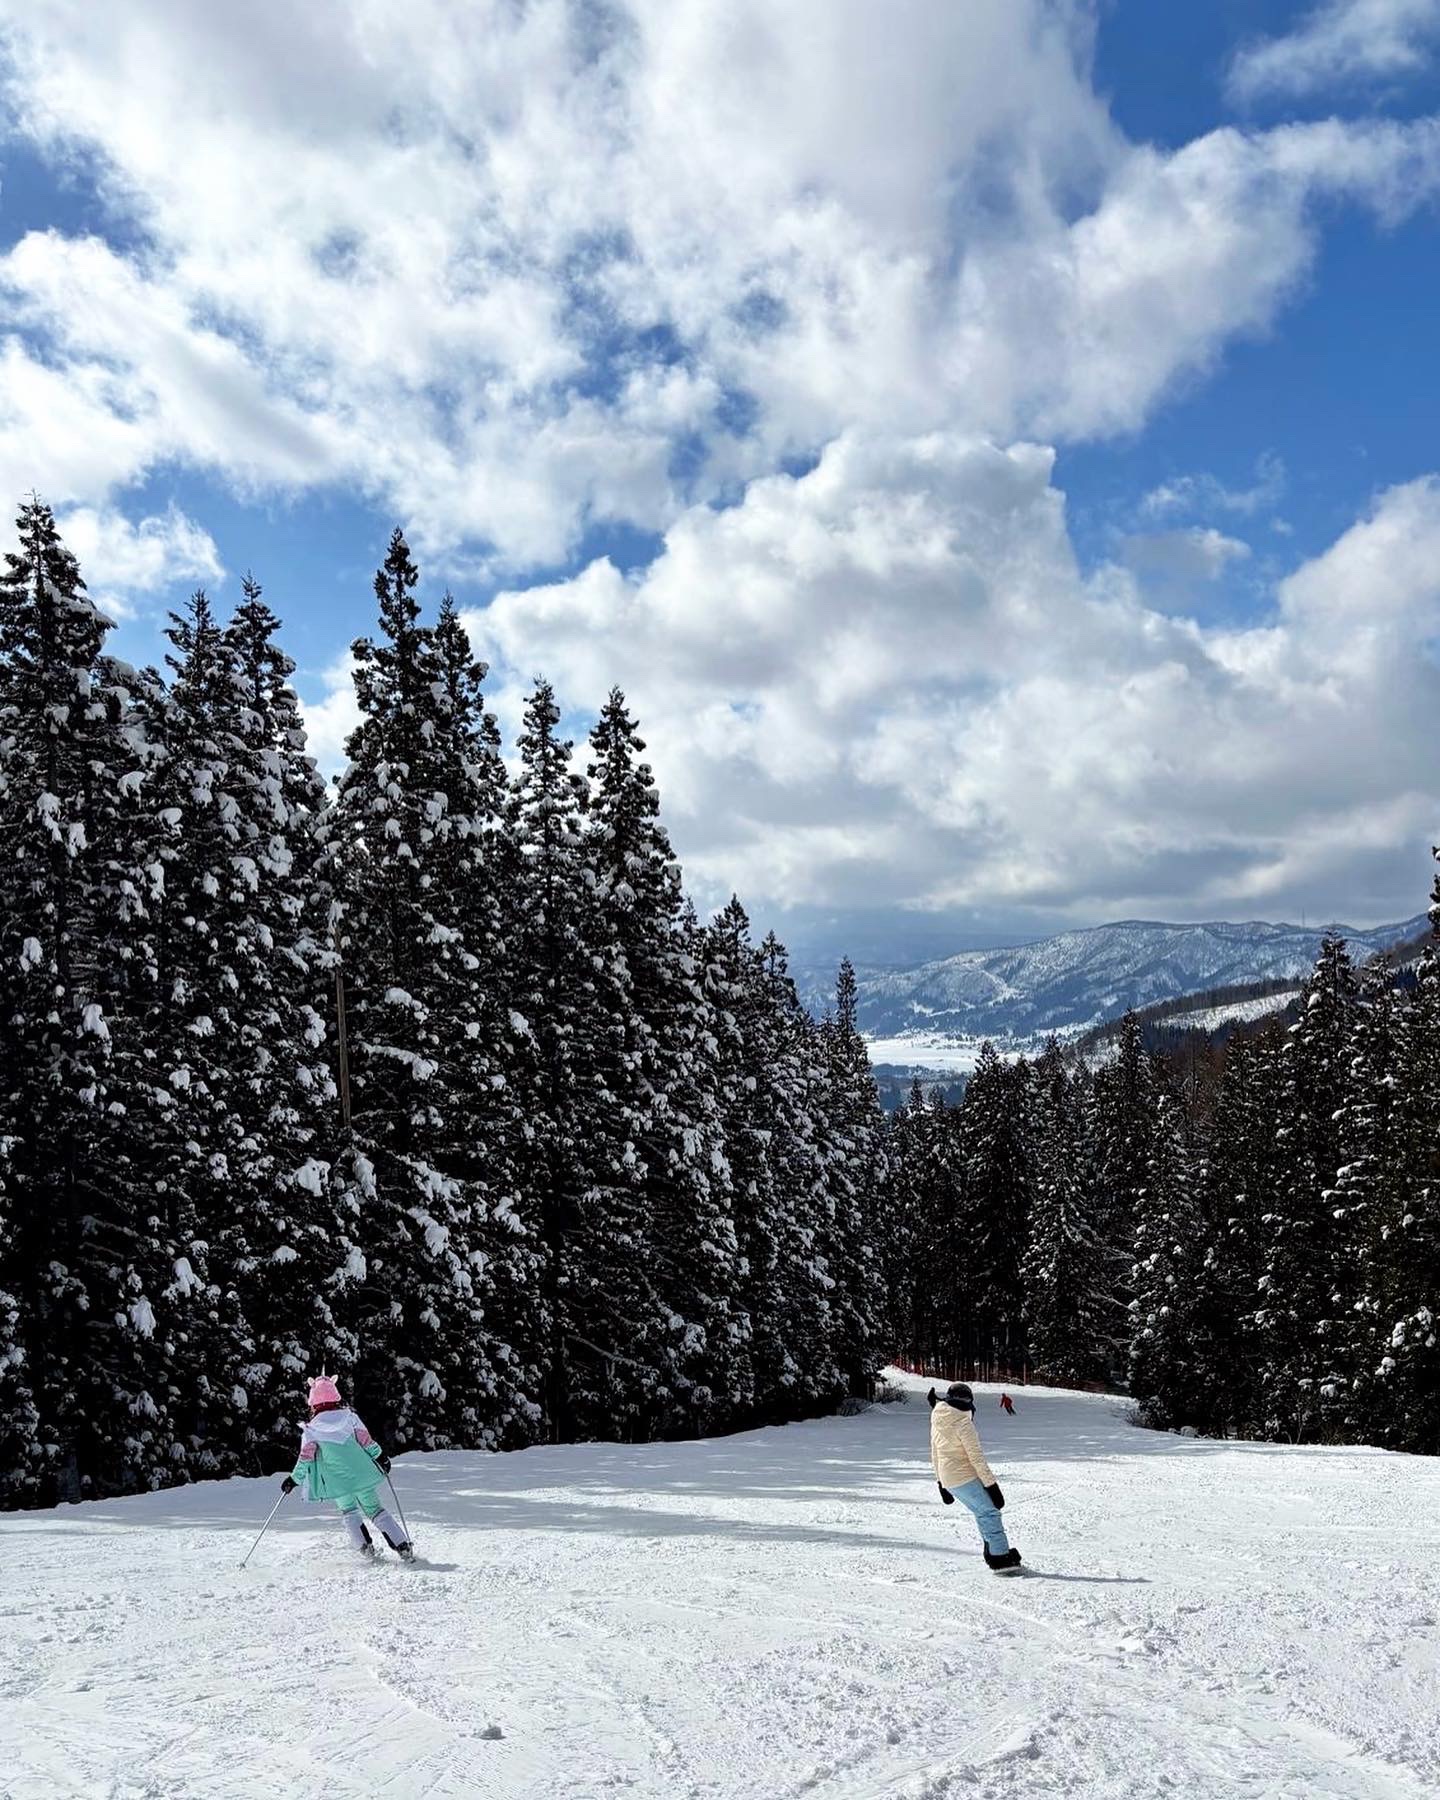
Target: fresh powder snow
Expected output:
[933,1052]
[788,1612]
[1236,1012]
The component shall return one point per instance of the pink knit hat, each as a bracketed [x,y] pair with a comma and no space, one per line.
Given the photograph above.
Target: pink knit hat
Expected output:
[323,1392]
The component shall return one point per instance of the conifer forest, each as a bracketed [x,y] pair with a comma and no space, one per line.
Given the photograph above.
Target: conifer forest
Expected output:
[579,1165]
[432,1078]
[1251,1252]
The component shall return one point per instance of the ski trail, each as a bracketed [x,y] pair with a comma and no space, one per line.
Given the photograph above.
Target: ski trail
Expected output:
[784,1615]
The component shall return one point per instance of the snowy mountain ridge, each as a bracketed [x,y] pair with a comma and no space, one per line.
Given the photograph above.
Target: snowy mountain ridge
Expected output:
[1072,982]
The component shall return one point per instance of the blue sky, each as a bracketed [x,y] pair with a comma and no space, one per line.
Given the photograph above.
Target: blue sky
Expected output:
[1340,387]
[990,458]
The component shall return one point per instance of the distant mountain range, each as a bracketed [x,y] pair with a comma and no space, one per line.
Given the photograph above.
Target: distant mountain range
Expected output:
[933,1015]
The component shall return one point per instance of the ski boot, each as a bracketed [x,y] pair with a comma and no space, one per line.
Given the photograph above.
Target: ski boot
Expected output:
[405,1550]
[1006,1564]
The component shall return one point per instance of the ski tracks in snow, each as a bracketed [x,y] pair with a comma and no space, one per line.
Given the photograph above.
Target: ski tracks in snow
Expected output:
[784,1615]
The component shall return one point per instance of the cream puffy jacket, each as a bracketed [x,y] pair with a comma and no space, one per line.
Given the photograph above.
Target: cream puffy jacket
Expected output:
[955,1447]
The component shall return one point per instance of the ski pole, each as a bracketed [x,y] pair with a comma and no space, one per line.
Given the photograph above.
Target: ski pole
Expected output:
[399,1509]
[284,1494]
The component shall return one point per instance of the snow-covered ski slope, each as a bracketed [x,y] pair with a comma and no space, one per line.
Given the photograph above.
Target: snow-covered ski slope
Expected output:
[782,1614]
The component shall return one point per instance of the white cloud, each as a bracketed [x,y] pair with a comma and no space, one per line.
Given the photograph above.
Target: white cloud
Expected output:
[1203,493]
[1081,335]
[122,560]
[888,678]
[511,269]
[330,720]
[1199,553]
[1340,42]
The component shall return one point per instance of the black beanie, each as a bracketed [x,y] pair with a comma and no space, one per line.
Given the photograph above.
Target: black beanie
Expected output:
[958,1394]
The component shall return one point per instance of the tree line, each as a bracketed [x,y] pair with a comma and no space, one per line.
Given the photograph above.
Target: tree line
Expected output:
[432,1078]
[1255,1253]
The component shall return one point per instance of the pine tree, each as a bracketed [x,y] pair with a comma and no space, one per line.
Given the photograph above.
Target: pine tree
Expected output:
[995,1183]
[854,1145]
[1120,1128]
[22,1470]
[790,1103]
[399,854]
[1237,1188]
[899,1206]
[1397,1373]
[478,859]
[186,1048]
[931,1270]
[556,999]
[671,1181]
[1300,1336]
[288,1249]
[1165,1379]
[91,1265]
[1370,1189]
[752,1086]
[1063,1276]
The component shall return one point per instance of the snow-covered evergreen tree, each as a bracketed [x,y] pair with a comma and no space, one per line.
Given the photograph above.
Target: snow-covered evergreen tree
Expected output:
[557,998]
[926,1252]
[1064,1276]
[1370,1191]
[1120,1127]
[498,1046]
[1165,1378]
[854,1148]
[403,833]
[895,1243]
[1397,1349]
[186,1048]
[995,1184]
[288,1249]
[1236,1188]
[91,1266]
[671,1181]
[22,1462]
[758,1093]
[790,1103]
[1300,1338]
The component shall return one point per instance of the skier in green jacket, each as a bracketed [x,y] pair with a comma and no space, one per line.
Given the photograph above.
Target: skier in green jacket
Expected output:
[340,1461]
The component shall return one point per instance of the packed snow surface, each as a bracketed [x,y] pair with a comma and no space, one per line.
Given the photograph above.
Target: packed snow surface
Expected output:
[781,1614]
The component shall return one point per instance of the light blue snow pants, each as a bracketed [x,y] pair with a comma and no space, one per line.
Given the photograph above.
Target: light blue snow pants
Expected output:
[987,1516]
[368,1503]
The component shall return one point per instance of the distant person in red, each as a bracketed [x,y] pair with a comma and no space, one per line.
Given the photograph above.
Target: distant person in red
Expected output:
[1008,1404]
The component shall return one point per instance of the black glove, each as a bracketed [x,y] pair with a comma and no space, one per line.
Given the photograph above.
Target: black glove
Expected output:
[997,1499]
[382,1463]
[287,1486]
[945,1494]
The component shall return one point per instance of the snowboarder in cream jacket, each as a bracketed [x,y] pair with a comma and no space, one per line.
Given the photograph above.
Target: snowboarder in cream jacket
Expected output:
[340,1461]
[963,1473]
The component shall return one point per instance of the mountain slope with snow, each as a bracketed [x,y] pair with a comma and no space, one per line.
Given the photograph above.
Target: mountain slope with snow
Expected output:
[1068,983]
[784,1613]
